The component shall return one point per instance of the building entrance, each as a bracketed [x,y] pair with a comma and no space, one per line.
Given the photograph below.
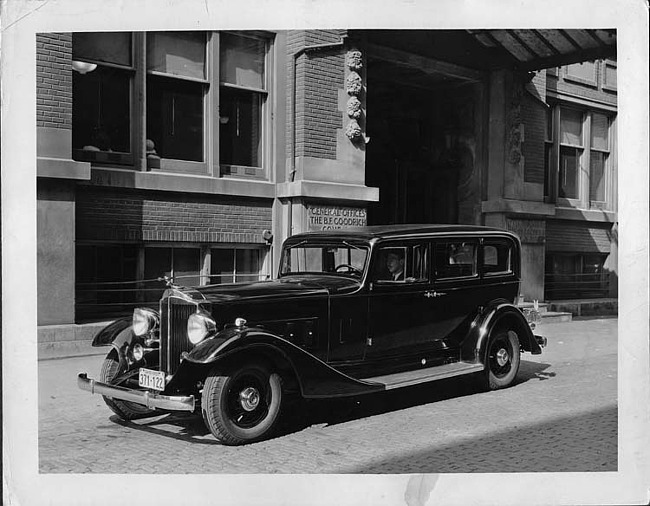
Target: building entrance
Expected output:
[422,150]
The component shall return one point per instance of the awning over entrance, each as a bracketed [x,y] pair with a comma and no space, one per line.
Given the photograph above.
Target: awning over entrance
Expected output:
[535,49]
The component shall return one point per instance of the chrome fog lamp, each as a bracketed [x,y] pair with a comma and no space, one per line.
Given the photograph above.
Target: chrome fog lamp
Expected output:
[138,352]
[144,320]
[199,326]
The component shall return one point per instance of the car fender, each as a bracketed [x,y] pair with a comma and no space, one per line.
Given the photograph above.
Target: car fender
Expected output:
[501,312]
[119,335]
[315,378]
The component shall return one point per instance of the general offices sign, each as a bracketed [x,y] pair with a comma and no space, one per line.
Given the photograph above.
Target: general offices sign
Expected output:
[335,217]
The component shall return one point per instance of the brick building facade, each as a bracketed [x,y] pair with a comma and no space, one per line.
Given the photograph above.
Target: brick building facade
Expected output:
[195,154]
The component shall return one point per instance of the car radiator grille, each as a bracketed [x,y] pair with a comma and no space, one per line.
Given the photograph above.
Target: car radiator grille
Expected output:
[174,313]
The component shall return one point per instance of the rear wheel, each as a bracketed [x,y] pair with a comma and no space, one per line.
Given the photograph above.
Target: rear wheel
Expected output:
[503,358]
[124,409]
[242,405]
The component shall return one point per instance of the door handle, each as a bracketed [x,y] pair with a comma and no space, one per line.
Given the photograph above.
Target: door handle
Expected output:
[428,294]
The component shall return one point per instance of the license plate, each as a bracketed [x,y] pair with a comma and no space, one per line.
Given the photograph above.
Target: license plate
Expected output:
[151,379]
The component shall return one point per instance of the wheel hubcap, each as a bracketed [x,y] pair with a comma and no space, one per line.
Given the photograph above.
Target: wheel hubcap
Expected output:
[502,357]
[249,398]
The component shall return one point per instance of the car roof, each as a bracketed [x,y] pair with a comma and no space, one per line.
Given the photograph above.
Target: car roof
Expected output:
[397,231]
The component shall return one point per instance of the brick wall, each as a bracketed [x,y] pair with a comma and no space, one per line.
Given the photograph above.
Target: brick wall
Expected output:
[132,215]
[54,80]
[319,77]
[567,236]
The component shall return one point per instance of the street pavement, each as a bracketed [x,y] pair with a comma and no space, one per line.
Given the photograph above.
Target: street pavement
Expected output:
[560,416]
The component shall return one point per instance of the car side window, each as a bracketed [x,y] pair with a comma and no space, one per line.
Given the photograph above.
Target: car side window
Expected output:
[401,264]
[497,257]
[455,259]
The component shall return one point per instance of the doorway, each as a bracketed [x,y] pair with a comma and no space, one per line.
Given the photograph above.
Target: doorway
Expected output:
[420,155]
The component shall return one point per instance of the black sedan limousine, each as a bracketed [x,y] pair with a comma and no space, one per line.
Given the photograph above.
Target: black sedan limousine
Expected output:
[351,312]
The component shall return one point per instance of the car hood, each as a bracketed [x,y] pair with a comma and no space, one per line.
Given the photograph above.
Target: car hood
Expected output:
[287,287]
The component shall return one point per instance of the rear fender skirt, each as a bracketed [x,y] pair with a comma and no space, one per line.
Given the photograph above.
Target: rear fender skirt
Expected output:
[502,312]
[315,377]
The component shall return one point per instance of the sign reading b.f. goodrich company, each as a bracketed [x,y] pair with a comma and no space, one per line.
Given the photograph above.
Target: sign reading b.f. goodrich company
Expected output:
[333,217]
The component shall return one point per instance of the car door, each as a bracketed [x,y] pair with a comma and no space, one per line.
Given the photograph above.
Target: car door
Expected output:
[401,313]
[457,285]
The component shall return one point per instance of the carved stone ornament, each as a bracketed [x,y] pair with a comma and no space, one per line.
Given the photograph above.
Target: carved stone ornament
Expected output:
[354,108]
[353,84]
[354,59]
[353,130]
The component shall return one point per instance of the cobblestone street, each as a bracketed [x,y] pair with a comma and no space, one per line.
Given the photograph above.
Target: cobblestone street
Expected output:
[560,416]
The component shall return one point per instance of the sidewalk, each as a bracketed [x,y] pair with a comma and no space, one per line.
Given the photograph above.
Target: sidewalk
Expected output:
[62,341]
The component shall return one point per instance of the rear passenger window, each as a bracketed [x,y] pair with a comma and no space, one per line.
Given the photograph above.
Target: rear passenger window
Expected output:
[455,259]
[497,257]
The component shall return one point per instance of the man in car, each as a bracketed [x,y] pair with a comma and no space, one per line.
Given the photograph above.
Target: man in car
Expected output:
[395,265]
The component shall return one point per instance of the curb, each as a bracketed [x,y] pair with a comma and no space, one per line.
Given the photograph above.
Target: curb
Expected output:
[73,340]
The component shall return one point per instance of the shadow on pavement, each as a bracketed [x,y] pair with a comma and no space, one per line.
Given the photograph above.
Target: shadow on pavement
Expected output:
[335,411]
[587,442]
[301,414]
[190,427]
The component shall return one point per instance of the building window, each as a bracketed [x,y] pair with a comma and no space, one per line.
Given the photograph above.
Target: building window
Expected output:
[176,87]
[598,158]
[609,75]
[235,265]
[112,279]
[548,153]
[178,263]
[242,98]
[580,169]
[576,275]
[101,108]
[570,153]
[101,270]
[192,102]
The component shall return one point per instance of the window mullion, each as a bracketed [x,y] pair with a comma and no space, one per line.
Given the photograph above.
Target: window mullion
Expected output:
[213,106]
[555,154]
[206,260]
[139,101]
[585,162]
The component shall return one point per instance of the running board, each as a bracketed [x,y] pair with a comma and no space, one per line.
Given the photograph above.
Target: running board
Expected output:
[403,379]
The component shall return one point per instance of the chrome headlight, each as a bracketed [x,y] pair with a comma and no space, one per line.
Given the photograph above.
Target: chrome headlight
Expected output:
[200,326]
[144,320]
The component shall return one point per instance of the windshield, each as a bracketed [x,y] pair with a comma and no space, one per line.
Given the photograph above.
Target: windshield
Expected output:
[340,258]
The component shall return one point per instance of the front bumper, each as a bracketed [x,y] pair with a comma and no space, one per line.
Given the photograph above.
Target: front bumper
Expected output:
[541,340]
[144,397]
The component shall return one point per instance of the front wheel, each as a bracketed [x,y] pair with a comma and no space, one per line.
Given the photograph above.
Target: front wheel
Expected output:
[124,409]
[503,358]
[242,405]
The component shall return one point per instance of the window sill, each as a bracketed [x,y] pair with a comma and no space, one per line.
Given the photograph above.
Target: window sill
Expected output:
[179,182]
[240,171]
[564,213]
[182,167]
[105,157]
[61,168]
